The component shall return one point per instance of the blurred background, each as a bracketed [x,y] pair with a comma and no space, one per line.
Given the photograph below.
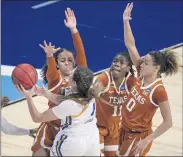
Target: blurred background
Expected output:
[25,24]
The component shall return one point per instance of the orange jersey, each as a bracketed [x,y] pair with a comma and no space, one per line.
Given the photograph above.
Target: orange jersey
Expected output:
[110,102]
[55,80]
[47,131]
[142,103]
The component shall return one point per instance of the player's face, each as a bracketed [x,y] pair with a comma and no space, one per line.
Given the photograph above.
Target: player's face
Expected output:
[147,68]
[119,66]
[65,62]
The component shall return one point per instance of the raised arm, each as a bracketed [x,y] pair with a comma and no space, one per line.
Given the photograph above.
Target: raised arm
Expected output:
[52,74]
[70,22]
[128,36]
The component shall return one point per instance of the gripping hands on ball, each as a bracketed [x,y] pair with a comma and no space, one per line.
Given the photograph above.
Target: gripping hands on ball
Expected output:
[26,93]
[49,49]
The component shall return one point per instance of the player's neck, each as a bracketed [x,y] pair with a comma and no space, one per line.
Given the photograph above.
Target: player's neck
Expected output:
[118,81]
[149,79]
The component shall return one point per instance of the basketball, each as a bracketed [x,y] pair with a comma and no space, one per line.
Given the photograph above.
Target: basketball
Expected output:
[24,74]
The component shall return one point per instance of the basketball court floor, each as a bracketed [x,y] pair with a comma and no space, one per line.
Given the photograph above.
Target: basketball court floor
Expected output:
[169,144]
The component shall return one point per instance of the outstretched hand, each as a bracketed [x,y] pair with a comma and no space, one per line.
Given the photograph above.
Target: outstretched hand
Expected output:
[70,20]
[127,12]
[49,49]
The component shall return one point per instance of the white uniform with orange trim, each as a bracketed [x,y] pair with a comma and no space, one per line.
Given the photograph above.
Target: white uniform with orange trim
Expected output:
[79,135]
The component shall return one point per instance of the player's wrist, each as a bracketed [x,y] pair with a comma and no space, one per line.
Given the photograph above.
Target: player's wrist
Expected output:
[74,30]
[49,55]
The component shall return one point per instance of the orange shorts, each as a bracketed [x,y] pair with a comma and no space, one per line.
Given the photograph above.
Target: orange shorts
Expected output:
[109,139]
[128,140]
[46,135]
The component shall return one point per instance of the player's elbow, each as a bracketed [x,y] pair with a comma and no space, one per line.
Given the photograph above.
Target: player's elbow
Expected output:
[37,119]
[168,123]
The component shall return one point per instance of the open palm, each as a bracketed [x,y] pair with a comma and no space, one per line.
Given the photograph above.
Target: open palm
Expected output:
[127,12]
[70,20]
[49,49]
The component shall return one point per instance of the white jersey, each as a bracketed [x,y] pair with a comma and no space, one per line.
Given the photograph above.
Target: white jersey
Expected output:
[79,126]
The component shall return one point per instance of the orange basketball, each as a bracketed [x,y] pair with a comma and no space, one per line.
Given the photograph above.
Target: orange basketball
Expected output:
[24,74]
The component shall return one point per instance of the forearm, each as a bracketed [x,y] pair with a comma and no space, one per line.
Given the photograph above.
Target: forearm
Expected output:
[52,74]
[130,44]
[78,45]
[164,126]
[56,99]
[11,129]
[35,114]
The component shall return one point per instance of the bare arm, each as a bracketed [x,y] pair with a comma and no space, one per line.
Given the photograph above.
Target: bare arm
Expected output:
[129,38]
[38,117]
[70,22]
[11,129]
[165,125]
[55,98]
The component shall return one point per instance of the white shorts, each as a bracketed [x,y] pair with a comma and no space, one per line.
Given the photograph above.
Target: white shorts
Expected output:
[81,145]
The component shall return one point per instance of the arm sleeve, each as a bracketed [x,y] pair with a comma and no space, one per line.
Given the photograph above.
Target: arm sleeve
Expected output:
[67,108]
[80,52]
[103,78]
[11,129]
[52,75]
[160,95]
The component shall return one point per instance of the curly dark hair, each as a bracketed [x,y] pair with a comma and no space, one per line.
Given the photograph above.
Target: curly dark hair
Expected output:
[168,61]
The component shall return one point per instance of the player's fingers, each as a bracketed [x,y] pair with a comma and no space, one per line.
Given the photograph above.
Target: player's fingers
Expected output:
[131,7]
[69,11]
[22,88]
[127,5]
[49,43]
[45,44]
[18,87]
[41,46]
[65,22]
[66,14]
[58,49]
[72,13]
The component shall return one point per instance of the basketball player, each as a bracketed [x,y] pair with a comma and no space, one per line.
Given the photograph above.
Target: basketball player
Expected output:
[79,135]
[11,129]
[146,94]
[56,74]
[112,95]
